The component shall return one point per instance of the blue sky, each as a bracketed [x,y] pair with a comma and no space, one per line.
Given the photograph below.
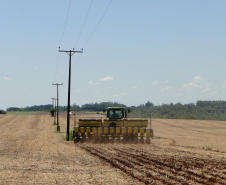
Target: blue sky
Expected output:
[134,51]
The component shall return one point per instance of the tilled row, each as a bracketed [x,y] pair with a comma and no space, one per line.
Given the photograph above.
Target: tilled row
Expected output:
[152,168]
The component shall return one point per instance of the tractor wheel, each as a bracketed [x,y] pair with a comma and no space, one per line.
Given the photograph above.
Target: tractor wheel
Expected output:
[76,139]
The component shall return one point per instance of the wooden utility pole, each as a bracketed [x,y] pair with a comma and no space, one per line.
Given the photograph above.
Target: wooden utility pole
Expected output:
[58,127]
[55,111]
[52,102]
[70,53]
[54,108]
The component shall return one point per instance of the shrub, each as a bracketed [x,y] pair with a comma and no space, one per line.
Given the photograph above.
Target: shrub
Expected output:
[52,111]
[70,136]
[2,112]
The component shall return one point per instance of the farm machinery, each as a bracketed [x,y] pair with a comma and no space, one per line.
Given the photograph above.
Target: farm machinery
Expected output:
[115,127]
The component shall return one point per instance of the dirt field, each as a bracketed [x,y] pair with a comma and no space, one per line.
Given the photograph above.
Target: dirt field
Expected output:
[182,152]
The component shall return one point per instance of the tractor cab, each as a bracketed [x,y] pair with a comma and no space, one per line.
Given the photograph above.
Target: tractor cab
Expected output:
[116,112]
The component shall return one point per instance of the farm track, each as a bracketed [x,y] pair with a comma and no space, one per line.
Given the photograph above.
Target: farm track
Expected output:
[156,166]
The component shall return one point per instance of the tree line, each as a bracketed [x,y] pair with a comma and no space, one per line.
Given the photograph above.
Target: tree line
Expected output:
[202,110]
[31,108]
[86,107]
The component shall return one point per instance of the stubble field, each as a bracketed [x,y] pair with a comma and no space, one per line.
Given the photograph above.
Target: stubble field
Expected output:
[182,152]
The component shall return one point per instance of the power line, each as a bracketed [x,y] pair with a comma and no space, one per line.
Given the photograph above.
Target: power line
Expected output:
[56,67]
[98,23]
[76,61]
[92,33]
[83,23]
[65,23]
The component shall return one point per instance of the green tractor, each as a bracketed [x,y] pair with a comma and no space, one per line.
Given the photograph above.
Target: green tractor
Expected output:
[115,127]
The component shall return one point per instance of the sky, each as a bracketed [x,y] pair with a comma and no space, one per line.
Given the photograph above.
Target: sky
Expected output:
[133,51]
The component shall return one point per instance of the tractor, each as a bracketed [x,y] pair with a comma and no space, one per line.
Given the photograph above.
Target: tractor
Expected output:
[115,127]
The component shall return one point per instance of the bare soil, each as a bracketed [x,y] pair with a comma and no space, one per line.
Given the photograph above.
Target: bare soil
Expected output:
[182,152]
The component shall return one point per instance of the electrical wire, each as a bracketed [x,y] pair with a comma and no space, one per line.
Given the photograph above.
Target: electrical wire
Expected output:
[92,33]
[76,62]
[65,23]
[94,30]
[58,56]
[64,73]
[83,24]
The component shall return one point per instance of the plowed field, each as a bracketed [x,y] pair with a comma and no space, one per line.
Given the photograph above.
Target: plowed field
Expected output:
[182,152]
[156,165]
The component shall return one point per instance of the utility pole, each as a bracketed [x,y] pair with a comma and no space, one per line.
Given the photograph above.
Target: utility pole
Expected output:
[58,127]
[52,102]
[54,108]
[55,111]
[70,53]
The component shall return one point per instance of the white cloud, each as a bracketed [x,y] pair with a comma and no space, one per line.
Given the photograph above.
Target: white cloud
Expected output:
[206,89]
[190,85]
[106,78]
[214,93]
[197,79]
[195,83]
[93,83]
[133,87]
[7,78]
[224,84]
[154,83]
[166,88]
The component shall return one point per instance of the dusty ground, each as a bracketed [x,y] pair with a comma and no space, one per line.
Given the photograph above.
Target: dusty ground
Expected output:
[183,152]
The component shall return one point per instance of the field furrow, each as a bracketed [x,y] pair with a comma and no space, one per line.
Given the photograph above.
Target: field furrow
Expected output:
[161,168]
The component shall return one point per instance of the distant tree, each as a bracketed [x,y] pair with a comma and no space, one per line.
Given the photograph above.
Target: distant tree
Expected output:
[141,105]
[52,111]
[100,106]
[75,108]
[13,109]
[2,112]
[213,104]
[32,108]
[149,104]
[205,110]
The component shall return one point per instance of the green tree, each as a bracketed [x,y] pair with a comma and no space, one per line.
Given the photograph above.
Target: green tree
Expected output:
[149,104]
[75,108]
[52,111]
[2,112]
